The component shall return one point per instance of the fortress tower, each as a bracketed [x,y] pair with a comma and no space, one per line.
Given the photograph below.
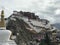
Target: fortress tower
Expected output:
[2,21]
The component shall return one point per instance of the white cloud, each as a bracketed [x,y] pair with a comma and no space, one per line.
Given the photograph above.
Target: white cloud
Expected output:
[44,8]
[50,19]
[57,11]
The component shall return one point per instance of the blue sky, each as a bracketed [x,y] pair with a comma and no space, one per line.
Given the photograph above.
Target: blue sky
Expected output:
[47,9]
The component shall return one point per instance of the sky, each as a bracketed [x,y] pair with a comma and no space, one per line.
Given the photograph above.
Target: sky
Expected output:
[46,9]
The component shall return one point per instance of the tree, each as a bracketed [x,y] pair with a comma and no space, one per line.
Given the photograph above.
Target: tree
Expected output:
[42,42]
[47,39]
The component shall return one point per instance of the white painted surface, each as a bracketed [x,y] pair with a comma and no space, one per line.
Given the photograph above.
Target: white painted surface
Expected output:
[5,38]
[5,35]
[2,28]
[36,23]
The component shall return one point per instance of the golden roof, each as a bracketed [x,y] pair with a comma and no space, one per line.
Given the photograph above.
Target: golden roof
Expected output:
[2,22]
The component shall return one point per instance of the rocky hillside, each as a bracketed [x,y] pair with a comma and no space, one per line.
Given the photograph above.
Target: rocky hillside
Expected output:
[27,27]
[18,29]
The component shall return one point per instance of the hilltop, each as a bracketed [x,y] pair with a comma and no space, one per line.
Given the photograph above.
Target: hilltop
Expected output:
[27,27]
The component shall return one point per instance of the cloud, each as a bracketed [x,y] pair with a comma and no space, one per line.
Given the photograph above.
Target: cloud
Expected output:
[51,19]
[44,8]
[57,12]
